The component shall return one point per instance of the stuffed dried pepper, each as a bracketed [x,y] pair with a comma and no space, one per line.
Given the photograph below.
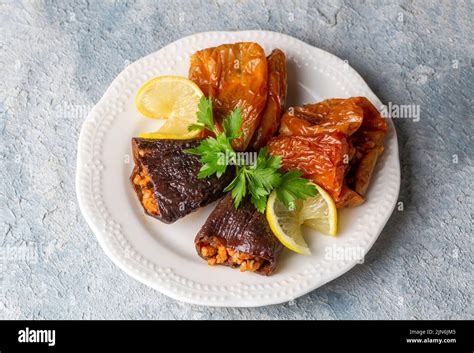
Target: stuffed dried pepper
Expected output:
[344,172]
[234,75]
[277,87]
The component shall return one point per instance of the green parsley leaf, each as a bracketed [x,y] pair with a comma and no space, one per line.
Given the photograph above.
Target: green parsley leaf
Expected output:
[256,181]
[212,158]
[264,161]
[233,124]
[238,187]
[216,153]
[204,116]
[260,181]
[293,187]
[267,178]
[260,203]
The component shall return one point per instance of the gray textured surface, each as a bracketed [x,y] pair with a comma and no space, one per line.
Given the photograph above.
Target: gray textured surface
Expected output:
[57,59]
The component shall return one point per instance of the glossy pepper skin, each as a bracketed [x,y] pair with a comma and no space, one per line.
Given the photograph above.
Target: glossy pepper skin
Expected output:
[243,229]
[234,75]
[173,173]
[349,116]
[356,121]
[277,89]
[321,158]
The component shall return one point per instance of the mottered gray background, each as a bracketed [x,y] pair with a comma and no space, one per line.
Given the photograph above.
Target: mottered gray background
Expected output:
[57,58]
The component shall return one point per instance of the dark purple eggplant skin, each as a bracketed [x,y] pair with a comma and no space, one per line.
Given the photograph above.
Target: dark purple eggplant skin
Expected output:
[177,189]
[243,229]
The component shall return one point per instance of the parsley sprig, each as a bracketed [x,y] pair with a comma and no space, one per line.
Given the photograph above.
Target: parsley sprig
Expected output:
[257,180]
[215,152]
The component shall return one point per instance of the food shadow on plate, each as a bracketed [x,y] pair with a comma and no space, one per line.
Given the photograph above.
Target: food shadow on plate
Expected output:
[298,93]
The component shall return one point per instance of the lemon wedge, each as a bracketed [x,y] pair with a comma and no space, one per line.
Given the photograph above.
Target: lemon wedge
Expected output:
[320,213]
[317,212]
[286,225]
[173,98]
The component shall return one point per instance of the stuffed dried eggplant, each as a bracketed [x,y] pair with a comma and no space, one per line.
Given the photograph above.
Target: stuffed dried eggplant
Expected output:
[239,238]
[165,179]
[277,87]
[362,125]
[235,75]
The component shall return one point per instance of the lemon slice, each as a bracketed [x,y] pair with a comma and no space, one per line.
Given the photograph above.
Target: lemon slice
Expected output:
[286,225]
[173,98]
[318,212]
[159,136]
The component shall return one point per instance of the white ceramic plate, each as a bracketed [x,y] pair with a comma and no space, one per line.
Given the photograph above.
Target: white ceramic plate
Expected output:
[163,256]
